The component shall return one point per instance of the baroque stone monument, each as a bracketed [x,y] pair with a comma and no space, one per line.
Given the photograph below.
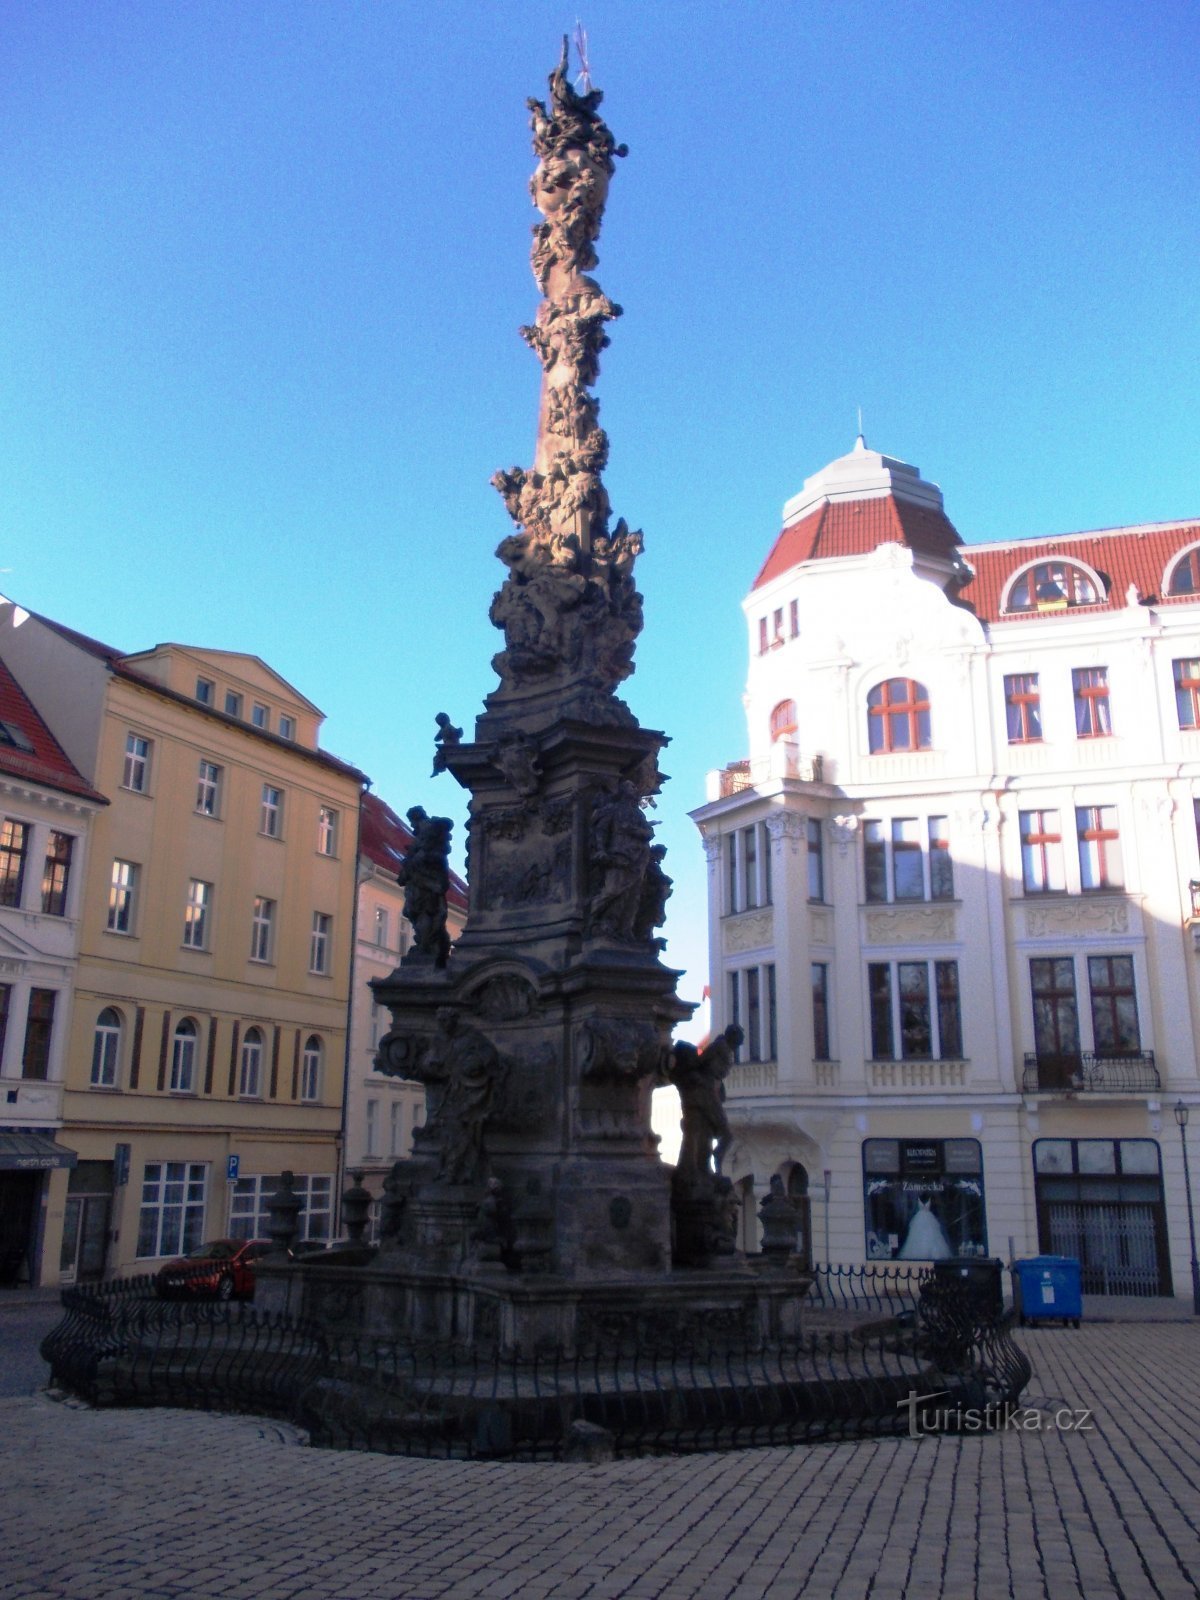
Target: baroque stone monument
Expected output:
[535,1208]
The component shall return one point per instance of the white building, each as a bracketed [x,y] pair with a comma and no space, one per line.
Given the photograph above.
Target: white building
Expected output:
[951,887]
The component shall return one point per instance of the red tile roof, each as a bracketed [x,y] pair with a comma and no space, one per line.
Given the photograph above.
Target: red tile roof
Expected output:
[1121,556]
[385,840]
[44,762]
[855,528]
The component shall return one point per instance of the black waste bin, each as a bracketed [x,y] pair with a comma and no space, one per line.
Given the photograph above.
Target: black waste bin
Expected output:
[979,1282]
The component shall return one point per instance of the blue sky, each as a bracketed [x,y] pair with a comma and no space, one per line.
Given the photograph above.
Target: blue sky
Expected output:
[262,267]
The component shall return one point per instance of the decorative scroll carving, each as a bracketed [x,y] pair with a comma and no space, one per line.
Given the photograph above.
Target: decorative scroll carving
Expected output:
[569,604]
[618,1050]
[503,998]
[1077,916]
[910,925]
[751,931]
[786,827]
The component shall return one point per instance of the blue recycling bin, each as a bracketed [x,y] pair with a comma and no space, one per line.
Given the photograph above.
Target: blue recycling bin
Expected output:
[1046,1288]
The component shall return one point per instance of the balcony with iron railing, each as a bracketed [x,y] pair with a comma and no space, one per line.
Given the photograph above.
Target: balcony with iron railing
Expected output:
[1086,1072]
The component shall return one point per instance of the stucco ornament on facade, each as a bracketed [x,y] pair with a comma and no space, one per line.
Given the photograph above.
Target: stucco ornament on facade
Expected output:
[786,827]
[910,926]
[1105,916]
[751,931]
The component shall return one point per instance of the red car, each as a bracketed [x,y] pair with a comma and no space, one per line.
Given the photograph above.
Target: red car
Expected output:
[220,1270]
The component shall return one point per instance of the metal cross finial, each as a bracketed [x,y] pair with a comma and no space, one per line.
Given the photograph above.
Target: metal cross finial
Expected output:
[581,50]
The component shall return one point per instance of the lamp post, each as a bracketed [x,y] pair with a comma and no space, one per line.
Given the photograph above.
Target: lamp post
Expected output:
[1181,1117]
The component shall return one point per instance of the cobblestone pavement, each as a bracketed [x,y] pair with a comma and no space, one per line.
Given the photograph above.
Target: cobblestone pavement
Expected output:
[154,1505]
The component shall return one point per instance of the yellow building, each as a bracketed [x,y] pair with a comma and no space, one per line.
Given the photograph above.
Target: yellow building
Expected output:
[207,1045]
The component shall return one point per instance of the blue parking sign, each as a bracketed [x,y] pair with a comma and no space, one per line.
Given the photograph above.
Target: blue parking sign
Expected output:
[231,1168]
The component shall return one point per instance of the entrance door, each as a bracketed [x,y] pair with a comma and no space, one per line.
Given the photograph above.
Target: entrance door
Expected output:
[1116,1245]
[85,1237]
[1101,1201]
[18,1204]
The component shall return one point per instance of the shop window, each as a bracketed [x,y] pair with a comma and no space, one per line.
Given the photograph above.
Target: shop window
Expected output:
[923,1199]
[171,1218]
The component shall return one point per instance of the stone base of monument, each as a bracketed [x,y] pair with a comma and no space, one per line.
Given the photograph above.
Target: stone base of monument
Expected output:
[748,1301]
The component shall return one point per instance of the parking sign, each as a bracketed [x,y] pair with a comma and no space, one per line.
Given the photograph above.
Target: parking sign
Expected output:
[231,1168]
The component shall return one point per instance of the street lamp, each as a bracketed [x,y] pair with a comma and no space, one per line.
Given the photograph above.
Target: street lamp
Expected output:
[1181,1117]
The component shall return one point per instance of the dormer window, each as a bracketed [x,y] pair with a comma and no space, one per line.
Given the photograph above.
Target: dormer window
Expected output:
[1184,576]
[898,716]
[1052,586]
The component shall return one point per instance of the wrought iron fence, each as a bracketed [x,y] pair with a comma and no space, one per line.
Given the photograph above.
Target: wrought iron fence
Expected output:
[889,1290]
[1087,1073]
[119,1345]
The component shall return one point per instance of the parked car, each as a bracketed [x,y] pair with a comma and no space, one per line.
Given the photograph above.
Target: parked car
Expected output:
[223,1269]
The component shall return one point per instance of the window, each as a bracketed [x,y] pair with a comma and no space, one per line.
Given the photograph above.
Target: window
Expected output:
[250,1078]
[381,927]
[763,639]
[287,726]
[783,721]
[137,763]
[39,1024]
[318,949]
[748,867]
[777,627]
[122,894]
[1114,1006]
[208,789]
[15,738]
[310,1068]
[206,691]
[262,928]
[106,1049]
[1052,586]
[898,716]
[907,859]
[260,715]
[233,704]
[171,1220]
[327,831]
[183,1058]
[923,1199]
[270,817]
[820,1004]
[396,1117]
[1042,869]
[752,997]
[14,839]
[195,916]
[372,1128]
[941,868]
[56,873]
[1023,707]
[917,1003]
[816,859]
[794,618]
[1093,719]
[1187,692]
[5,1003]
[1100,865]
[249,1211]
[1055,1011]
[376,1013]
[1185,575]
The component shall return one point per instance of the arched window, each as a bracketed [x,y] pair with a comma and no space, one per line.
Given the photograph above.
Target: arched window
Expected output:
[1052,586]
[106,1049]
[1184,576]
[183,1057]
[783,721]
[898,716]
[310,1068]
[250,1081]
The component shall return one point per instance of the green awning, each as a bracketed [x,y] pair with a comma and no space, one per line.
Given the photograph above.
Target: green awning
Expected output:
[33,1152]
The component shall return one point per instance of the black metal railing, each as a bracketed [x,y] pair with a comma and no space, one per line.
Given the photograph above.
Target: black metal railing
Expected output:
[1086,1072]
[118,1344]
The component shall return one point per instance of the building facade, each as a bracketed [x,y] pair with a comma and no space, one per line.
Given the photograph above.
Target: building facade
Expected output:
[953,887]
[382,1111]
[46,810]
[206,1051]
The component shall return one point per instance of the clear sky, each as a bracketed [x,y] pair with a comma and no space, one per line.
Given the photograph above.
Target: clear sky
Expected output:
[262,267]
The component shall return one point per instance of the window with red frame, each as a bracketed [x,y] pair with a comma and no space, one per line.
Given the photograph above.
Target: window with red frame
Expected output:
[898,716]
[783,720]
[1187,692]
[1052,586]
[1093,717]
[1100,864]
[1185,578]
[1114,1006]
[1023,708]
[1041,852]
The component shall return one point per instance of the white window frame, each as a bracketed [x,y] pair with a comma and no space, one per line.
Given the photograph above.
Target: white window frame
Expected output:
[183,1056]
[250,1065]
[287,726]
[311,1063]
[122,897]
[327,831]
[370,1148]
[233,703]
[260,716]
[262,930]
[270,816]
[739,987]
[250,1216]
[395,1126]
[206,691]
[320,945]
[382,928]
[173,1195]
[136,772]
[197,914]
[208,788]
[106,1049]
